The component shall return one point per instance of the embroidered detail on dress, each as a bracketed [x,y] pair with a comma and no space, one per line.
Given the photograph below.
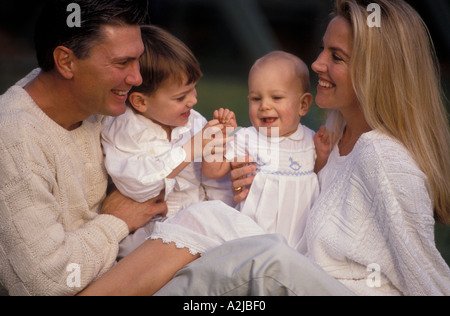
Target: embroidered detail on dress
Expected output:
[285,173]
[295,165]
[260,162]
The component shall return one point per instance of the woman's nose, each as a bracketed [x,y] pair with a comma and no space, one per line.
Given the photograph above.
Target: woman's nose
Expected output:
[319,66]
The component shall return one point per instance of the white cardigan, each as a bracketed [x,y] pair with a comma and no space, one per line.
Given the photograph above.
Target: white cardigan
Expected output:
[373,222]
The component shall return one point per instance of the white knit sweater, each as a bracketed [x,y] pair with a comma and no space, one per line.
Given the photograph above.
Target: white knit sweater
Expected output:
[373,227]
[52,184]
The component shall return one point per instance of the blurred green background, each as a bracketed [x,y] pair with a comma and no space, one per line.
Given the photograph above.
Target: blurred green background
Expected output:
[227,36]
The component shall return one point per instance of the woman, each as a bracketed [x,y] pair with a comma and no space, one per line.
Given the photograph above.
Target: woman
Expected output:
[390,168]
[391,164]
[386,178]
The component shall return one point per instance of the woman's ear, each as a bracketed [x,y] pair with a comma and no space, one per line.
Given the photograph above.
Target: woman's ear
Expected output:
[139,102]
[305,104]
[64,58]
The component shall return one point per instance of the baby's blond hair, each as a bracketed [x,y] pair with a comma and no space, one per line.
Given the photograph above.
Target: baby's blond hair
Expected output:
[301,70]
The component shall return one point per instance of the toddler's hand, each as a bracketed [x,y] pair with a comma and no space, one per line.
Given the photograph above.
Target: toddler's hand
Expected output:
[226,117]
[214,140]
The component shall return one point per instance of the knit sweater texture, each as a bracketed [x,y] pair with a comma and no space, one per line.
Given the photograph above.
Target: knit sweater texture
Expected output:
[373,227]
[52,183]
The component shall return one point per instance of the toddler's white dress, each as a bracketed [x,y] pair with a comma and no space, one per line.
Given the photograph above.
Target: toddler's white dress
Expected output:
[139,157]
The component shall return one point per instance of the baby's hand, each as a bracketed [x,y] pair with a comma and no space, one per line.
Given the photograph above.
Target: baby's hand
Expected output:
[226,117]
[322,141]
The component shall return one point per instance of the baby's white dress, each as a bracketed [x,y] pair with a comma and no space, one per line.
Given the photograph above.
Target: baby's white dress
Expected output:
[285,186]
[282,193]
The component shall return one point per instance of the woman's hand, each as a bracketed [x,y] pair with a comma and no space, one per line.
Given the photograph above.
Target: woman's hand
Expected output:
[242,176]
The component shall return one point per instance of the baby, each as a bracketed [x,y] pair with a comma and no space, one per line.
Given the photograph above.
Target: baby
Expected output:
[151,148]
[282,148]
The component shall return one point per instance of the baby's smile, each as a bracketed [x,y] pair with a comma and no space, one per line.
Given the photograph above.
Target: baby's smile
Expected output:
[269,120]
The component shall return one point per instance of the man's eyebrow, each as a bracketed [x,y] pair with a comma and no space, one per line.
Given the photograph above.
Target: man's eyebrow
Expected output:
[127,58]
[122,59]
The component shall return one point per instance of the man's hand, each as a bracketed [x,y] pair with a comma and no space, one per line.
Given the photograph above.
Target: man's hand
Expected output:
[242,176]
[134,214]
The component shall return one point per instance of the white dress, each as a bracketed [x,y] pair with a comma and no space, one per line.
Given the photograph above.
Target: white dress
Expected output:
[285,186]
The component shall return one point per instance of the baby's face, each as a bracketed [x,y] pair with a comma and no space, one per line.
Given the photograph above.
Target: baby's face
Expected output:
[274,99]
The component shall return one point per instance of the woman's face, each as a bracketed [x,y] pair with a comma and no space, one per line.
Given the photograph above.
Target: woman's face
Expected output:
[335,90]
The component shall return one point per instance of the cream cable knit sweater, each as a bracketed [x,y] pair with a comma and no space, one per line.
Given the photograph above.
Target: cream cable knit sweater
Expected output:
[52,184]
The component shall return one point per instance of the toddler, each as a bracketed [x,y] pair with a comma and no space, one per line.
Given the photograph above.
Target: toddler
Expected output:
[151,147]
[283,149]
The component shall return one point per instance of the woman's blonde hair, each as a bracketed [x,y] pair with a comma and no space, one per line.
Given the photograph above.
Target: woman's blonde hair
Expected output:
[396,78]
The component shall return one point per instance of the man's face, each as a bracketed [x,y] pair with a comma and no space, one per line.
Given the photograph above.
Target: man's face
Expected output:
[103,80]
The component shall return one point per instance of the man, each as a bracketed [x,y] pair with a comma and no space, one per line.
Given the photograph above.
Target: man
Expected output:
[52,179]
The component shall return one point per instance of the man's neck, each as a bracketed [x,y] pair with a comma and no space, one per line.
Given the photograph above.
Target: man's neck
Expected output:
[54,99]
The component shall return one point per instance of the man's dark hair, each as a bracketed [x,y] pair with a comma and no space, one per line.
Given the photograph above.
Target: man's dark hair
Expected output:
[52,29]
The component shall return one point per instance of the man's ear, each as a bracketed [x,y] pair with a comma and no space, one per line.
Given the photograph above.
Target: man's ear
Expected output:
[139,102]
[305,104]
[64,58]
